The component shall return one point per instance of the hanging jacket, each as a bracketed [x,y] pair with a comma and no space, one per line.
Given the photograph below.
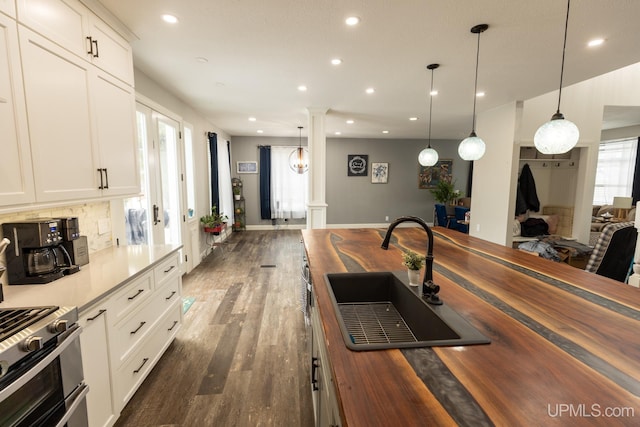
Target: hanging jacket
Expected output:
[526,196]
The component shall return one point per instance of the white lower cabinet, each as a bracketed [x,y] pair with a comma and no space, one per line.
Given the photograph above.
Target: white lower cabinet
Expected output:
[325,404]
[126,334]
[95,361]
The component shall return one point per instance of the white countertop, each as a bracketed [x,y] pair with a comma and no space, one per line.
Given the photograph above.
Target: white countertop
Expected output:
[107,270]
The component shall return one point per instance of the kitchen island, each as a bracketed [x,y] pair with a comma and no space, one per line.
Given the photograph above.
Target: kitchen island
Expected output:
[565,344]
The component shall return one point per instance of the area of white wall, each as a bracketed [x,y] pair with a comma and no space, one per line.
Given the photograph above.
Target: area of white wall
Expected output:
[494,178]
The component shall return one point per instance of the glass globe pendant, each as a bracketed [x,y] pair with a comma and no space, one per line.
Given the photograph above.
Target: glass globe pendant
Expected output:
[429,156]
[473,147]
[558,135]
[299,159]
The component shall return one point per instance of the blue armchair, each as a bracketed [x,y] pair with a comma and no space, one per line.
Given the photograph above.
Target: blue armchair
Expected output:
[442,219]
[460,212]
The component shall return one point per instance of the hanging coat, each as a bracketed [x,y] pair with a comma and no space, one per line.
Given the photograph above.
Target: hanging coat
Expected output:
[526,196]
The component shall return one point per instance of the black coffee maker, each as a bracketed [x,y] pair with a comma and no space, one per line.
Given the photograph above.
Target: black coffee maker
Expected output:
[36,254]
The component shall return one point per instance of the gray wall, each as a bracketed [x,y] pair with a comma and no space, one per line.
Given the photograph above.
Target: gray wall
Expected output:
[355,200]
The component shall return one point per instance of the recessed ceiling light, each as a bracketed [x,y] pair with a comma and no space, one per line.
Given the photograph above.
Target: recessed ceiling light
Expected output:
[259,131]
[433,93]
[413,119]
[370,90]
[349,122]
[595,42]
[336,61]
[338,133]
[169,19]
[480,94]
[302,88]
[252,119]
[352,20]
[385,131]
[202,59]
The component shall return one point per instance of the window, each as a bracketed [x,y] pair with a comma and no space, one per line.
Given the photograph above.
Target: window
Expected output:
[614,174]
[288,189]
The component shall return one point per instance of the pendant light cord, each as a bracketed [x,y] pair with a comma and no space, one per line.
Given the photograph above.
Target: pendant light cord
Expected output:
[430,104]
[564,48]
[475,87]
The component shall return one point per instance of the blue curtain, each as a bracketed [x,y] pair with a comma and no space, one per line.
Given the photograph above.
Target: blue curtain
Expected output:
[265,182]
[213,149]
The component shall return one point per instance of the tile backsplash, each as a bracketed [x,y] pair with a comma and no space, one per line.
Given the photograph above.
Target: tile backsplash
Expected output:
[94,220]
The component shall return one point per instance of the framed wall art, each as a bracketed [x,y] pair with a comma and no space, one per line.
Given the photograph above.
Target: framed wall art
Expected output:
[247,167]
[430,176]
[379,173]
[357,164]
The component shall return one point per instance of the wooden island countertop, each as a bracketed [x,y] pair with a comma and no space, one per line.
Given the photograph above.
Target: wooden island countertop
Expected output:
[565,344]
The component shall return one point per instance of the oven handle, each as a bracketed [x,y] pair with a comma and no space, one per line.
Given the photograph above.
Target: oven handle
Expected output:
[28,376]
[77,397]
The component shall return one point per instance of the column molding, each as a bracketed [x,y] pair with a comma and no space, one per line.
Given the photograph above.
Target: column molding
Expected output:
[317,146]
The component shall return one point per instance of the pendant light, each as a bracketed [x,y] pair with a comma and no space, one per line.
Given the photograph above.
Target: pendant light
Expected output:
[298,159]
[473,147]
[429,156]
[558,135]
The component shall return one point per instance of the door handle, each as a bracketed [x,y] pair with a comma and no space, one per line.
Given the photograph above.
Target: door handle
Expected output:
[156,212]
[314,369]
[106,178]
[96,54]
[101,179]
[90,48]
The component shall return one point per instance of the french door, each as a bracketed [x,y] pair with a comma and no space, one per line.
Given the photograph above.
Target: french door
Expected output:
[155,216]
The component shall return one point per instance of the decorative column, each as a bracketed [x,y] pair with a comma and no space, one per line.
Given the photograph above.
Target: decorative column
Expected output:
[317,146]
[634,279]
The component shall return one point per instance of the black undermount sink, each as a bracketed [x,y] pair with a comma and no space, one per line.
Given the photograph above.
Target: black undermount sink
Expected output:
[379,310]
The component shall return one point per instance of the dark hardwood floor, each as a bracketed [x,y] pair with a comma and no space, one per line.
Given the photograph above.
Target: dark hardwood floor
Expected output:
[241,357]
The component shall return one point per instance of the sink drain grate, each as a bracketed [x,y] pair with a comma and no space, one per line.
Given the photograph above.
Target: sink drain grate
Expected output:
[375,323]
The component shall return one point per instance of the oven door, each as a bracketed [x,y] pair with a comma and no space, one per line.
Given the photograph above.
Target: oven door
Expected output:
[48,389]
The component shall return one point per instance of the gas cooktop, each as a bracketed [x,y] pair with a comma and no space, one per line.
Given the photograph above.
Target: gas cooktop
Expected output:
[13,320]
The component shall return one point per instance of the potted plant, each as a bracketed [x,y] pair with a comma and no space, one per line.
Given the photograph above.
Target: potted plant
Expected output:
[236,192]
[414,262]
[445,193]
[214,223]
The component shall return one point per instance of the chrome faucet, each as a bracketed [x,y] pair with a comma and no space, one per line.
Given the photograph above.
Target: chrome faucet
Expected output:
[429,289]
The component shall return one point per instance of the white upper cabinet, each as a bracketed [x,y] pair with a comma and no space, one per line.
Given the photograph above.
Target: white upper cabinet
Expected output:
[16,177]
[73,26]
[115,129]
[8,7]
[65,159]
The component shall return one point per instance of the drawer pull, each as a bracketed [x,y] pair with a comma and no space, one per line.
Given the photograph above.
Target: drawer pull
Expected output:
[169,269]
[137,293]
[138,328]
[175,322]
[170,296]
[144,362]
[100,313]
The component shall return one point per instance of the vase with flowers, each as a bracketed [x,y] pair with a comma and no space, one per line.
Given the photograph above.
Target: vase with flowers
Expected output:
[414,262]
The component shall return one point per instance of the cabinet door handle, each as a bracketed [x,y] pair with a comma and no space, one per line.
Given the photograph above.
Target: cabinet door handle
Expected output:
[156,212]
[136,295]
[138,328]
[175,322]
[90,48]
[169,269]
[101,179]
[100,313]
[144,362]
[170,296]
[106,178]
[314,370]
[95,54]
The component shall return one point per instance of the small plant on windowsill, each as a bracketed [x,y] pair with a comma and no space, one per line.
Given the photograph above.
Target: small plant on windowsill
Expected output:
[214,222]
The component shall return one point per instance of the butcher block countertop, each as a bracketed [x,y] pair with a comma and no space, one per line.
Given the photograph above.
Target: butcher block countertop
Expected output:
[565,344]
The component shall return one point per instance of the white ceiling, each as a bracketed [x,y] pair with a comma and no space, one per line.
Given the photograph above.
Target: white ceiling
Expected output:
[259,51]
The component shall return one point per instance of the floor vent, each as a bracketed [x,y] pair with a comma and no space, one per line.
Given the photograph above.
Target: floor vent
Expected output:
[268,266]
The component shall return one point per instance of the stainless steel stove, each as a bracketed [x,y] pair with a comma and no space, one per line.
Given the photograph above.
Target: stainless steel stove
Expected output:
[41,376]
